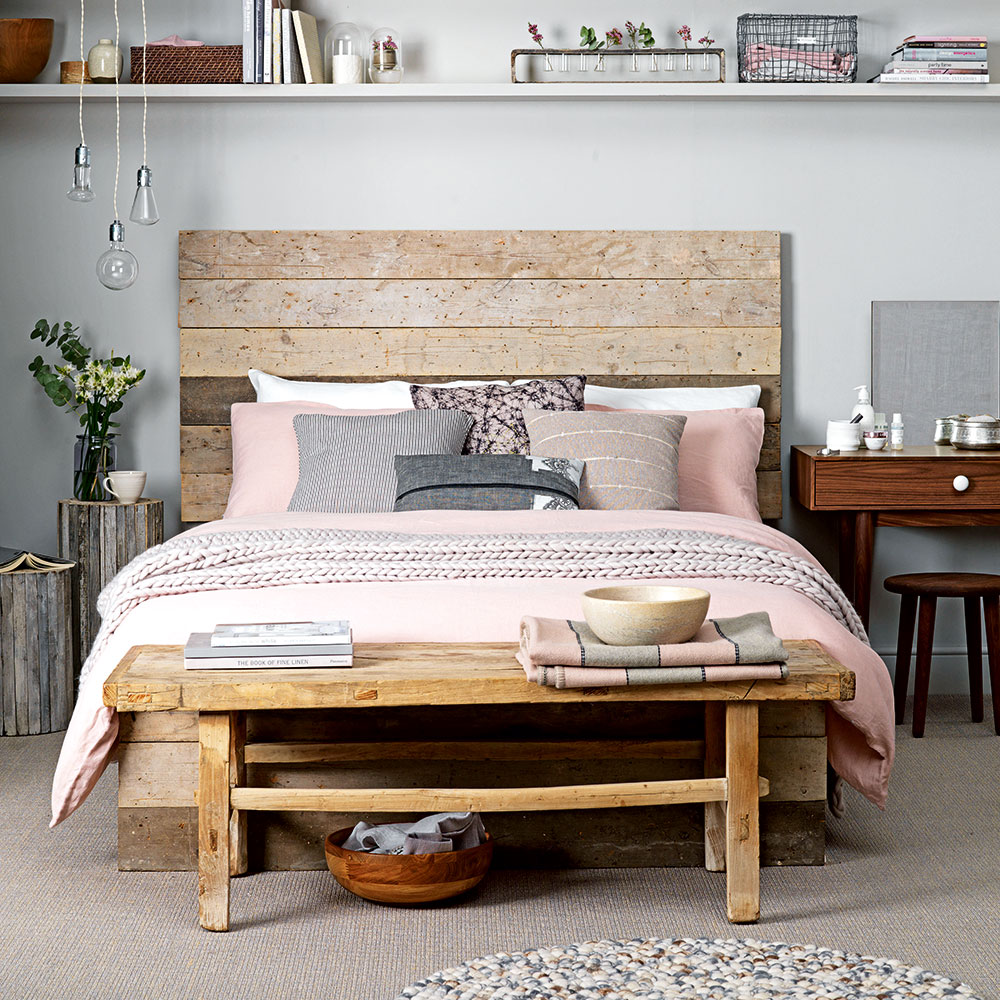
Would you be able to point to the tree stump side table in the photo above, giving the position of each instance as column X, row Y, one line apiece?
column 36, row 651
column 102, row 538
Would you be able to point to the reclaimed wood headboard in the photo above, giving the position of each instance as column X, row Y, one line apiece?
column 630, row 308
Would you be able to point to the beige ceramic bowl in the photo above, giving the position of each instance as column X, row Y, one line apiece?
column 645, row 616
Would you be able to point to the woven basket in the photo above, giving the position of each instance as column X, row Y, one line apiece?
column 188, row 64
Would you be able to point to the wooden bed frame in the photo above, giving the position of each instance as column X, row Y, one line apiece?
column 625, row 308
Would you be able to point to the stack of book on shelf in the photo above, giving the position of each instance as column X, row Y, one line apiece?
column 271, row 646
column 938, row 59
column 280, row 45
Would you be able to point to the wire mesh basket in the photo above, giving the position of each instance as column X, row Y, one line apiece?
column 797, row 48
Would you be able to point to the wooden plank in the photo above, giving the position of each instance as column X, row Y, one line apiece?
column 796, row 768
column 467, row 253
column 742, row 813
column 488, row 750
column 48, row 657
column 779, row 718
column 19, row 621
column 237, row 777
column 389, row 674
column 207, row 400
column 214, row 735
column 475, row 302
column 528, row 799
column 715, row 766
column 747, row 351
column 163, row 727
column 792, row 833
column 157, row 775
column 7, row 653
column 36, row 667
column 204, row 495
column 65, row 635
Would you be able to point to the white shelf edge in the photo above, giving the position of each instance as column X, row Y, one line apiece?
column 56, row 92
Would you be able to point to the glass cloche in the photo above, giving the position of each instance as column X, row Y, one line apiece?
column 345, row 54
column 385, row 54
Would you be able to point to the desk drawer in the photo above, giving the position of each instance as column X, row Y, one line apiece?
column 900, row 483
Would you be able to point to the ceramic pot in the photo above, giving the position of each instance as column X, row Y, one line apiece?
column 105, row 61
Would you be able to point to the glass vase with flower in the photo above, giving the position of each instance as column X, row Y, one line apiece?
column 94, row 388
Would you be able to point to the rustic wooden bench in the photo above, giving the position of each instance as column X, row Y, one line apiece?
column 153, row 679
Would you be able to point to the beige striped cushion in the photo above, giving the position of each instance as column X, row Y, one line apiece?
column 631, row 458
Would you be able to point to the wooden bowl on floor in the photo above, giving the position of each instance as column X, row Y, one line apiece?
column 25, row 44
column 407, row 878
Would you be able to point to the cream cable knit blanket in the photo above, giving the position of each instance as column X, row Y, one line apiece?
column 287, row 556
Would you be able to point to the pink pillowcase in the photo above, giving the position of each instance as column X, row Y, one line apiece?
column 266, row 454
column 719, row 452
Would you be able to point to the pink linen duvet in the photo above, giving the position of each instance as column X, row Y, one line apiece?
column 197, row 585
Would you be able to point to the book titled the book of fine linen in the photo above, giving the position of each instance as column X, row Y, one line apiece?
column 268, row 662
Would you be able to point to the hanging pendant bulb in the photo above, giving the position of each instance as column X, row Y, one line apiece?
column 144, row 205
column 116, row 267
column 81, row 189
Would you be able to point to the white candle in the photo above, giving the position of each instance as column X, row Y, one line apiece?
column 348, row 69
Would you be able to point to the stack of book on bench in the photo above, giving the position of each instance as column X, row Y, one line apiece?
column 271, row 646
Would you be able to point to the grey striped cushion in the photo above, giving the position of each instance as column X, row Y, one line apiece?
column 346, row 462
column 486, row 482
column 631, row 458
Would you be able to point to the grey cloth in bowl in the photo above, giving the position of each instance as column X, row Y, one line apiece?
column 346, row 462
column 430, row 835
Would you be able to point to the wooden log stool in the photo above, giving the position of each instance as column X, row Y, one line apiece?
column 928, row 587
column 36, row 651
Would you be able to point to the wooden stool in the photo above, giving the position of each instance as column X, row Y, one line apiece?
column 929, row 587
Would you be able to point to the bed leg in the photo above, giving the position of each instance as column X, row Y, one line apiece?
column 715, row 767
column 742, row 813
column 215, row 741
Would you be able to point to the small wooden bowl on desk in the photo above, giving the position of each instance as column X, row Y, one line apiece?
column 406, row 879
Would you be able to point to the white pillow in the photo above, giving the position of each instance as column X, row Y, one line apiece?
column 694, row 398
column 348, row 395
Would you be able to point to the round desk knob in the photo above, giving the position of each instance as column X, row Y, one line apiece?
column 961, row 483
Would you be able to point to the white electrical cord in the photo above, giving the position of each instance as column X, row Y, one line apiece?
column 144, row 161
column 83, row 71
column 118, row 114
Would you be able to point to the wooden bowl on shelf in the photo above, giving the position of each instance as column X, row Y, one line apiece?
column 25, row 44
column 406, row 879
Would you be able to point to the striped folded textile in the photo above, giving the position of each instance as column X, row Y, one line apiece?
column 561, row 653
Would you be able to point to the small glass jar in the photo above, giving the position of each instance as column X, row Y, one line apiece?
column 345, row 54
column 93, row 459
column 385, row 55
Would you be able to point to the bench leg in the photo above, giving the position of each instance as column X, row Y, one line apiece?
column 742, row 813
column 715, row 767
column 974, row 647
column 237, row 778
column 925, row 650
column 215, row 745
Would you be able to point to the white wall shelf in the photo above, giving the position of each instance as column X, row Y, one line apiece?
column 13, row 92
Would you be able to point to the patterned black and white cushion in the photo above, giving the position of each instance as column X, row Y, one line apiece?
column 487, row 482
column 346, row 462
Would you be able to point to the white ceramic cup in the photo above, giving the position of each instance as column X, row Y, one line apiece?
column 842, row 435
column 125, row 486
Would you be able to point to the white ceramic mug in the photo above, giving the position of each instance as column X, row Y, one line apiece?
column 125, row 486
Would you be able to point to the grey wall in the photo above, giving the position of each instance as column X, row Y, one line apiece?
column 849, row 184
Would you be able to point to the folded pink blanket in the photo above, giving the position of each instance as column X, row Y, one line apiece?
column 563, row 653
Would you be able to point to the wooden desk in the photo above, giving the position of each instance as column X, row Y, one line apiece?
column 916, row 487
column 153, row 679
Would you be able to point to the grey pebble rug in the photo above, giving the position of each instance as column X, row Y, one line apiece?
column 683, row 969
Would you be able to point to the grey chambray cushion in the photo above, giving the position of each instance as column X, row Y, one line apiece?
column 631, row 458
column 346, row 462
column 486, row 482
column 497, row 409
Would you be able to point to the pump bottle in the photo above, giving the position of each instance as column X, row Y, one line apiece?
column 865, row 408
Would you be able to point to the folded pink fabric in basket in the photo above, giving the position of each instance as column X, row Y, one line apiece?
column 563, row 653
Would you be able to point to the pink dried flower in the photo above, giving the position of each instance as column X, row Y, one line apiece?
column 685, row 32
column 631, row 30
column 614, row 37
column 387, row 43
column 706, row 41
column 536, row 35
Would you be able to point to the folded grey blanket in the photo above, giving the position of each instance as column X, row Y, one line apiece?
column 430, row 835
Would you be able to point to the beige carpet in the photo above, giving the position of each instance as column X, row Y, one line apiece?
column 920, row 883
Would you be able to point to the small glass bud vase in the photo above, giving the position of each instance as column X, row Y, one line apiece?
column 345, row 54
column 385, row 53
column 93, row 458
